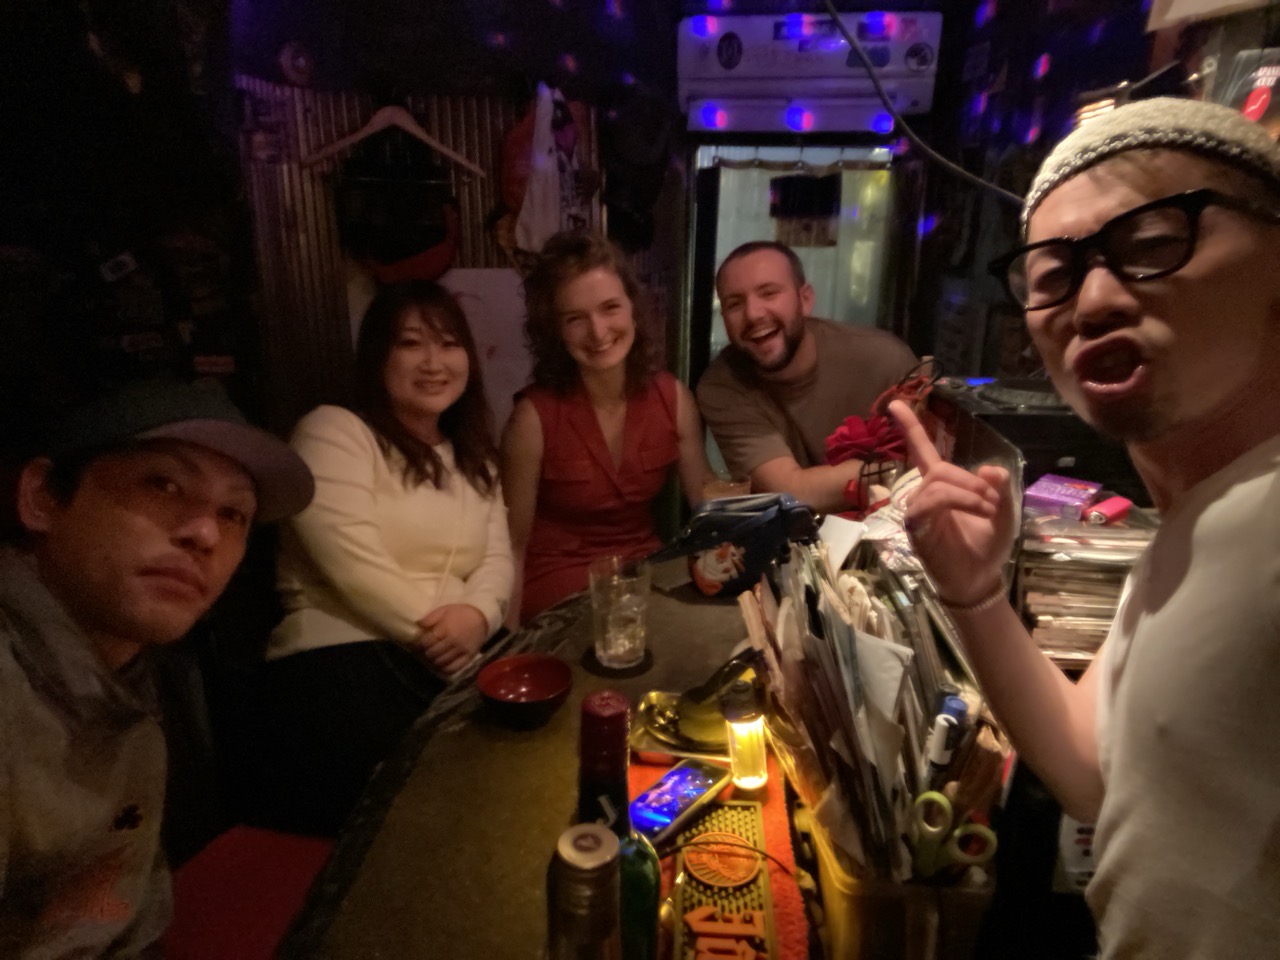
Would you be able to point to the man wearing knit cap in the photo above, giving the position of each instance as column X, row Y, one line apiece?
column 1151, row 284
column 131, row 522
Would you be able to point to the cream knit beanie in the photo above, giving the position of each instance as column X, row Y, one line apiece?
column 1209, row 129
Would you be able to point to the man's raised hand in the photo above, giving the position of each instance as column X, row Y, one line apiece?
column 961, row 524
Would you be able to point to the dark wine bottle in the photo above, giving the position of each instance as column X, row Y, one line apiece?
column 603, row 757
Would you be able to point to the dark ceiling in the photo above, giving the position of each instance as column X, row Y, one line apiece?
column 585, row 47
column 421, row 46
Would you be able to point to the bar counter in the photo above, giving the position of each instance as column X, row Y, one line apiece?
column 446, row 854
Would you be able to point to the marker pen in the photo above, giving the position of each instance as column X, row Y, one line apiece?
column 941, row 747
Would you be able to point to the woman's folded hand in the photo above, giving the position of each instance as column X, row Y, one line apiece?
column 451, row 636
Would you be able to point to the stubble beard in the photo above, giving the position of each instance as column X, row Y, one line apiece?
column 792, row 337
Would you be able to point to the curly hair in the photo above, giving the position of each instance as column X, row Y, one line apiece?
column 467, row 424
column 565, row 257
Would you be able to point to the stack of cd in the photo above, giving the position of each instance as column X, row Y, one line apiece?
column 1070, row 576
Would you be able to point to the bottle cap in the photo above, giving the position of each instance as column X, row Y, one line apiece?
column 606, row 723
column 954, row 706
column 740, row 702
column 940, row 696
column 587, row 846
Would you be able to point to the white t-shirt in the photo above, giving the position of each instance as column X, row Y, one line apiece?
column 1188, row 838
column 371, row 555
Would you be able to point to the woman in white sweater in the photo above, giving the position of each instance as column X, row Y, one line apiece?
column 399, row 570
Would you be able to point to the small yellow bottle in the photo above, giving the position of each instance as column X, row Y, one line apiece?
column 741, row 707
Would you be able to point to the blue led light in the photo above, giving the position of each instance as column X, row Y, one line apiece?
column 713, row 117
column 875, row 22
column 704, row 27
column 799, row 119
column 882, row 122
column 927, row 224
column 979, row 381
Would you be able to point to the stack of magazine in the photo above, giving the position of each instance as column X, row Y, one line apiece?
column 1070, row 576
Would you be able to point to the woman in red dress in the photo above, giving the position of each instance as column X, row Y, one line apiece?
column 592, row 441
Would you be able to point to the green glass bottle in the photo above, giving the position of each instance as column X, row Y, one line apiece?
column 603, row 758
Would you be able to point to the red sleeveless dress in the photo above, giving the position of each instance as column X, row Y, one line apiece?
column 587, row 507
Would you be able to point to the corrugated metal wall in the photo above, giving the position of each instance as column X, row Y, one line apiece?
column 306, row 331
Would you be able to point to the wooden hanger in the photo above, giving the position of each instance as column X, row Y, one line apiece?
column 392, row 116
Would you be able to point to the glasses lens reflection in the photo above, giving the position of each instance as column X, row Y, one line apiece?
column 1141, row 246
column 1152, row 242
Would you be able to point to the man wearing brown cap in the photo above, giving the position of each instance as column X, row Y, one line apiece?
column 131, row 523
column 1151, row 283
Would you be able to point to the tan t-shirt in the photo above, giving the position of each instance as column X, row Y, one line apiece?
column 754, row 421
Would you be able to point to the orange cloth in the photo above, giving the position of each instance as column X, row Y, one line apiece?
column 789, row 921
column 587, row 506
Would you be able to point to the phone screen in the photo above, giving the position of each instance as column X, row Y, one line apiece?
column 662, row 805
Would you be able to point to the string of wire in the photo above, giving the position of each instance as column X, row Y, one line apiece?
column 953, row 168
column 699, row 842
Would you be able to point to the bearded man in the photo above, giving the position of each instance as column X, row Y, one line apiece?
column 787, row 380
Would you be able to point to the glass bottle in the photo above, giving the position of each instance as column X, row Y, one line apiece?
column 745, row 722
column 582, row 896
column 604, row 754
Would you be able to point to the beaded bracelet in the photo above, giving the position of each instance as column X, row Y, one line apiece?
column 1001, row 592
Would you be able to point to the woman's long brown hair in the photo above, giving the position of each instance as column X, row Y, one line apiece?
column 467, row 424
column 564, row 257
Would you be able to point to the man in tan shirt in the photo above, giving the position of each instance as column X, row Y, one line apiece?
column 787, row 379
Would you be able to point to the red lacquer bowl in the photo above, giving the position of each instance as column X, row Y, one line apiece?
column 525, row 689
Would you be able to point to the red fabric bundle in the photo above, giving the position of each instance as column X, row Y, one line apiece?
column 869, row 440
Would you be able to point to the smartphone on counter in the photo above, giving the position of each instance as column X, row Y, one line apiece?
column 684, row 789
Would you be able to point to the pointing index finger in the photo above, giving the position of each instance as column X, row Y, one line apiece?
column 920, row 448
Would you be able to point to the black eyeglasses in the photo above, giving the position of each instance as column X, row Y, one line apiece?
column 1145, row 243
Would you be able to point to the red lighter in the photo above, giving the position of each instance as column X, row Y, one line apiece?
column 1111, row 510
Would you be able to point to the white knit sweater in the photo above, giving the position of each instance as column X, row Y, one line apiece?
column 371, row 556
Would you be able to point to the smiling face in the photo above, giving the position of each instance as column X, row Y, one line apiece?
column 425, row 374
column 144, row 545
column 764, row 308
column 596, row 320
column 1148, row 361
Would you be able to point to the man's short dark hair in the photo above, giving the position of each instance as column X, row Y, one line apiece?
column 753, row 246
column 62, row 481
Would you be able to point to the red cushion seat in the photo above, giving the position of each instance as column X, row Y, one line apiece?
column 235, row 899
